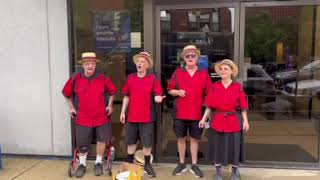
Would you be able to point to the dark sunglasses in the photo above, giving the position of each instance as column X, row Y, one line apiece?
column 190, row 56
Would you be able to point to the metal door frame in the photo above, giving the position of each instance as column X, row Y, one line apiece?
column 158, row 8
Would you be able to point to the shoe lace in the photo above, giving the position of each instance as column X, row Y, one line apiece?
column 179, row 167
column 148, row 166
column 149, row 169
column 196, row 169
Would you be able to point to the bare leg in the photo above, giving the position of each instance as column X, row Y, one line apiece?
column 101, row 146
column 131, row 149
column 147, row 151
column 194, row 146
column 182, row 145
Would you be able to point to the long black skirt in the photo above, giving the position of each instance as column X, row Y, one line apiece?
column 225, row 148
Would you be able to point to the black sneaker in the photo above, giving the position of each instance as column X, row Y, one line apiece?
column 98, row 171
column 196, row 171
column 235, row 175
column 148, row 169
column 217, row 177
column 81, row 171
column 179, row 169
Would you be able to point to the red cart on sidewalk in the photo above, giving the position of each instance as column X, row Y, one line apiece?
column 108, row 158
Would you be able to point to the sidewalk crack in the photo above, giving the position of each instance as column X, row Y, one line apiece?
column 15, row 177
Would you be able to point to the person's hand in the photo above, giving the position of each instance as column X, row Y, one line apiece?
column 201, row 123
column 158, row 99
column 181, row 93
column 122, row 118
column 72, row 112
column 246, row 126
column 109, row 110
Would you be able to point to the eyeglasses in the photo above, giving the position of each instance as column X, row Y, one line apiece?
column 190, row 56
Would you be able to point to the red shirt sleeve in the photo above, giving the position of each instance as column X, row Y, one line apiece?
column 111, row 88
column 243, row 103
column 157, row 88
column 208, row 102
column 67, row 89
column 208, row 84
column 172, row 82
column 125, row 88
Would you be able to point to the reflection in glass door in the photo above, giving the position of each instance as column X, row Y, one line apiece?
column 214, row 32
column 280, row 71
column 105, row 26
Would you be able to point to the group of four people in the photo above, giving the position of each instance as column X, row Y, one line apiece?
column 192, row 88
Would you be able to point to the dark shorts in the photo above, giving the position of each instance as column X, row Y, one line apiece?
column 184, row 127
column 84, row 135
column 144, row 131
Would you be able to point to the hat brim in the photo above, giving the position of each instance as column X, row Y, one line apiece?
column 189, row 50
column 137, row 162
column 232, row 65
column 85, row 60
column 139, row 157
column 150, row 61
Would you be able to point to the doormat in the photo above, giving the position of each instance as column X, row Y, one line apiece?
column 254, row 152
column 277, row 152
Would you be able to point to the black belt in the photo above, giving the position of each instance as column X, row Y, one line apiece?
column 225, row 113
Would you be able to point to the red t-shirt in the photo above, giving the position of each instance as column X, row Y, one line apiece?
column 140, row 92
column 90, row 96
column 196, row 87
column 225, row 101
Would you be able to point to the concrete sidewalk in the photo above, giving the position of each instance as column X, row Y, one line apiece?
column 22, row 168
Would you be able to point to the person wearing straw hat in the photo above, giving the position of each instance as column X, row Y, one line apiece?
column 189, row 85
column 85, row 93
column 139, row 90
column 227, row 125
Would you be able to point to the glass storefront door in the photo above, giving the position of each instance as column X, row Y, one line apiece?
column 114, row 30
column 214, row 30
column 280, row 62
column 276, row 45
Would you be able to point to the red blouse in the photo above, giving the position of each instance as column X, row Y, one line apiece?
column 225, row 101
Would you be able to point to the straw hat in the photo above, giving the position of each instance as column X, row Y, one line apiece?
column 233, row 66
column 88, row 56
column 190, row 48
column 144, row 55
column 139, row 157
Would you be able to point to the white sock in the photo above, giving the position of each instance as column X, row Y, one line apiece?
column 98, row 159
column 82, row 159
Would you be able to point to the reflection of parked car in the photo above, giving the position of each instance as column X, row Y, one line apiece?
column 259, row 81
column 304, row 88
column 306, row 72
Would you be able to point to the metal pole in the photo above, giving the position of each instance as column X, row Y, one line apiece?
column 314, row 26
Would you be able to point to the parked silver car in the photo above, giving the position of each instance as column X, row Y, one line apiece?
column 302, row 88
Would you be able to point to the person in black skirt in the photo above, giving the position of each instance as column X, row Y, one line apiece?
column 225, row 134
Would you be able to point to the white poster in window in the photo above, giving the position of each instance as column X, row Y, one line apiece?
column 135, row 39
